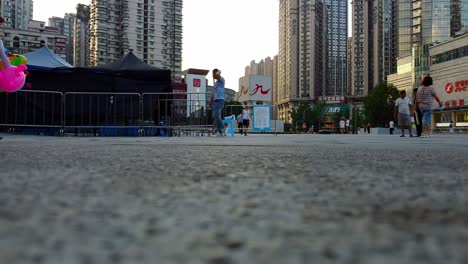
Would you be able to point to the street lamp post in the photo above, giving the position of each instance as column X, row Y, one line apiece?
column 303, row 113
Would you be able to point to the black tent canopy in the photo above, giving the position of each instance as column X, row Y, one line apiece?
column 129, row 62
column 128, row 74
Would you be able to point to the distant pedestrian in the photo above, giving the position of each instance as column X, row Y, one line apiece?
column 417, row 114
column 392, row 126
column 403, row 113
column 342, row 126
column 240, row 123
column 304, row 126
column 368, row 127
column 451, row 127
column 218, row 102
column 424, row 99
column 246, row 119
column 347, row 126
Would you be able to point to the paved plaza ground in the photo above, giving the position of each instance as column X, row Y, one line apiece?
column 256, row 199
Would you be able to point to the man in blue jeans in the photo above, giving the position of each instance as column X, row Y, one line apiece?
column 218, row 102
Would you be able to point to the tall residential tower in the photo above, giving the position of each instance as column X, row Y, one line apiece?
column 151, row 29
column 307, row 64
column 16, row 13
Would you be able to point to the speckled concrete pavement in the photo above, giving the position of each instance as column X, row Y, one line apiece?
column 256, row 199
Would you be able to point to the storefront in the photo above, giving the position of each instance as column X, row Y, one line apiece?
column 449, row 71
column 333, row 114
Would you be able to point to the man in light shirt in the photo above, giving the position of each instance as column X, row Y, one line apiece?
column 403, row 113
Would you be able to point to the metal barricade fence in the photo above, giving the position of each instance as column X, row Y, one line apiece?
column 101, row 113
column 176, row 113
column 32, row 110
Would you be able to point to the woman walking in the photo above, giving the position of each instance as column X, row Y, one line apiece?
column 424, row 100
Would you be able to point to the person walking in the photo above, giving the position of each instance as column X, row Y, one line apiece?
column 403, row 113
column 392, row 126
column 245, row 119
column 417, row 114
column 347, row 126
column 424, row 100
column 451, row 127
column 240, row 123
column 218, row 102
column 368, row 127
column 342, row 125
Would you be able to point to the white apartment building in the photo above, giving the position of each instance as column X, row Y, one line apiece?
column 16, row 13
column 23, row 41
column 151, row 29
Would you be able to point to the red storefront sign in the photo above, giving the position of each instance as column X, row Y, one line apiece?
column 460, row 86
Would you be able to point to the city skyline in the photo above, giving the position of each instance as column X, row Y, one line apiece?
column 197, row 26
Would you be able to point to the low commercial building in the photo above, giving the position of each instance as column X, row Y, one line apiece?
column 449, row 70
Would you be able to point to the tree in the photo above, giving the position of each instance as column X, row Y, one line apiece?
column 83, row 12
column 379, row 104
column 314, row 115
column 296, row 115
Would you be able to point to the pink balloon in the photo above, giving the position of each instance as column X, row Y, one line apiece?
column 13, row 78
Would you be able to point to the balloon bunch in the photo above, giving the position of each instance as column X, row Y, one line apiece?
column 14, row 59
column 12, row 78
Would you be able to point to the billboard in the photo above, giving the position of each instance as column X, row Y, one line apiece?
column 196, row 93
column 453, row 92
column 261, row 118
column 255, row 88
column 244, row 89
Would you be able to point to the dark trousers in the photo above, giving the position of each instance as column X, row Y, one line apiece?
column 246, row 124
column 418, row 119
column 240, row 125
column 391, row 131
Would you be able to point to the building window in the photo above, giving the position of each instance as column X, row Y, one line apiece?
column 16, row 42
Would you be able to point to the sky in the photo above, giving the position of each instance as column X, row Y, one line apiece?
column 223, row 34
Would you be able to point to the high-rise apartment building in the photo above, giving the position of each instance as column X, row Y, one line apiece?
column 66, row 28
column 336, row 55
column 81, row 36
column 69, row 32
column 302, row 58
column 350, row 59
column 375, row 43
column 288, row 59
column 16, row 13
column 56, row 22
column 151, row 29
